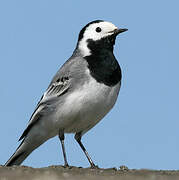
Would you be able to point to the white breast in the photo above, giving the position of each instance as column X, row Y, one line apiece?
column 86, row 106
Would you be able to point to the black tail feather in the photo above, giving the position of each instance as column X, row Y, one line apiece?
column 14, row 158
column 12, row 161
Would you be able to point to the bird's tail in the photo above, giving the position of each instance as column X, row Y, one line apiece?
column 19, row 156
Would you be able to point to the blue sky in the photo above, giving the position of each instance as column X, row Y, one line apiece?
column 141, row 131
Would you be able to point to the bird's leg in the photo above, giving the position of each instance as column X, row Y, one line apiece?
column 62, row 137
column 78, row 139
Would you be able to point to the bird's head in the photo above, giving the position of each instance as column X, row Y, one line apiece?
column 97, row 35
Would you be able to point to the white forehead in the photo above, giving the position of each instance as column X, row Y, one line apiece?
column 106, row 27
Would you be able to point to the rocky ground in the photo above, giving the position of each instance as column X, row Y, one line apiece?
column 75, row 173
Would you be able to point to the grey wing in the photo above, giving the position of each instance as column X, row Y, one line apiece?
column 58, row 87
column 61, row 83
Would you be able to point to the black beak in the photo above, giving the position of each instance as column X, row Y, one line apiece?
column 118, row 31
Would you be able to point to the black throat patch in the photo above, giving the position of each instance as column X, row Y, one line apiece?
column 102, row 64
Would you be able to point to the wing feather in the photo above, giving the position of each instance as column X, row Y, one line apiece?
column 56, row 89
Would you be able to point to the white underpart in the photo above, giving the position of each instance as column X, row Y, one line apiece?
column 90, row 33
column 86, row 106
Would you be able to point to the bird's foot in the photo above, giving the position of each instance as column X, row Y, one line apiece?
column 93, row 166
column 66, row 165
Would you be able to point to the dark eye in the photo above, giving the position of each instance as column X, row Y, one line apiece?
column 98, row 29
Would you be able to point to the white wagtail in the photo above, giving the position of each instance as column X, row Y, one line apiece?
column 81, row 93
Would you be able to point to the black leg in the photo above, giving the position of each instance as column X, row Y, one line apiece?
column 62, row 137
column 78, row 139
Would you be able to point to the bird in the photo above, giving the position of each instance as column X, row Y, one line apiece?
column 80, row 94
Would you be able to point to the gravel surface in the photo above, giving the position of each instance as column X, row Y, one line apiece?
column 76, row 173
